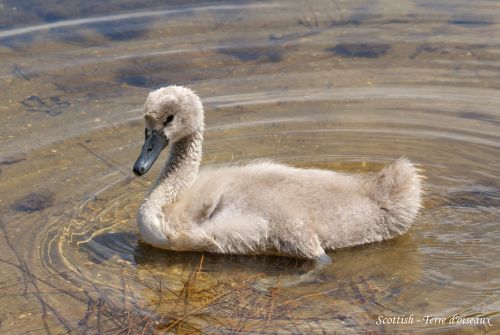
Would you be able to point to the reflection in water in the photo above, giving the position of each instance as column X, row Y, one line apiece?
column 348, row 86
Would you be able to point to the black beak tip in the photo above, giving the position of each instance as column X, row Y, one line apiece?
column 139, row 170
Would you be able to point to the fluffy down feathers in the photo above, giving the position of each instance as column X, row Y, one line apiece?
column 263, row 207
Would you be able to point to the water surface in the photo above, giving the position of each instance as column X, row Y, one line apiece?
column 344, row 85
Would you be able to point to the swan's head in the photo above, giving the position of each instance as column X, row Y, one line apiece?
column 171, row 113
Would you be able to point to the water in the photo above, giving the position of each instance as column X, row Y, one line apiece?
column 345, row 85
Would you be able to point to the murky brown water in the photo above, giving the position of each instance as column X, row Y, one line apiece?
column 346, row 85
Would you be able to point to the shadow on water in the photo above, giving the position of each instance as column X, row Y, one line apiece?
column 246, row 54
column 477, row 196
column 145, row 255
column 129, row 247
column 360, row 50
column 35, row 201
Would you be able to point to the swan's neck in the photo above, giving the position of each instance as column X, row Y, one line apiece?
column 179, row 172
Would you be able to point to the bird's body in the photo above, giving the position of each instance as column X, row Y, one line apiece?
column 269, row 208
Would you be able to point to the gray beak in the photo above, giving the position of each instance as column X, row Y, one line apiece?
column 154, row 143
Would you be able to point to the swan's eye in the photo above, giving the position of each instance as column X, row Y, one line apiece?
column 169, row 119
column 146, row 132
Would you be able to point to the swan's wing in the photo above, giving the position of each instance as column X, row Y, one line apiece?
column 209, row 209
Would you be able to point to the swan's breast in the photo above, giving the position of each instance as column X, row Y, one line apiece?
column 150, row 221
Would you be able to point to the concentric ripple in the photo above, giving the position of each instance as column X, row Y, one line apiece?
column 344, row 86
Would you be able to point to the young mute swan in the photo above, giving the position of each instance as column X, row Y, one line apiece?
column 262, row 207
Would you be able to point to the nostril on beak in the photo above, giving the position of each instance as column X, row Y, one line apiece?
column 150, row 149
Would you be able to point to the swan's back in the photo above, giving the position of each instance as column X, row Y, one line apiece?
column 270, row 188
column 341, row 209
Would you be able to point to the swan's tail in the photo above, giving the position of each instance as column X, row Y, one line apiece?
column 397, row 189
